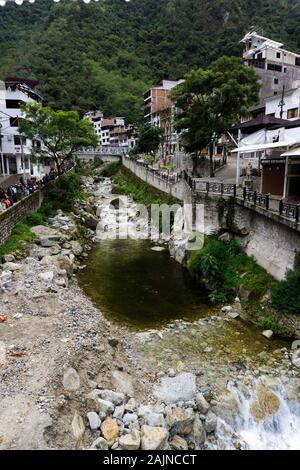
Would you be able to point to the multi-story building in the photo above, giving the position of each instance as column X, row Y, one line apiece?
column 15, row 149
column 277, row 67
column 159, row 111
column 113, row 132
column 286, row 106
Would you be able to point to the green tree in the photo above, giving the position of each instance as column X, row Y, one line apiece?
column 212, row 99
column 61, row 133
column 149, row 139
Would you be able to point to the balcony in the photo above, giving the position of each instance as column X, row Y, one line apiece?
column 257, row 63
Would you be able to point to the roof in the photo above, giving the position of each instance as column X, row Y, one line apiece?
column 108, row 123
column 254, row 33
column 27, row 81
column 292, row 153
column 293, row 124
column 258, row 147
column 261, row 122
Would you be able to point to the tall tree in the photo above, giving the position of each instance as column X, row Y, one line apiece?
column 149, row 139
column 61, row 133
column 212, row 99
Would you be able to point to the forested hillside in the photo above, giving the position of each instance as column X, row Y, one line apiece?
column 105, row 54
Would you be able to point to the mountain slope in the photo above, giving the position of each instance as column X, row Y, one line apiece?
column 104, row 55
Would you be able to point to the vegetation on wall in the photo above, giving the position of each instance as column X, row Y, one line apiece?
column 106, row 54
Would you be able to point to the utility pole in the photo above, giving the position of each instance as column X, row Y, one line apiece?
column 282, row 102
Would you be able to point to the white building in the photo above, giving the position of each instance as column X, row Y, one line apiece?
column 276, row 66
column 15, row 149
column 286, row 108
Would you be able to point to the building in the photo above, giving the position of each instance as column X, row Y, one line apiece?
column 16, row 149
column 159, row 111
column 114, row 131
column 275, row 144
column 286, row 106
column 277, row 67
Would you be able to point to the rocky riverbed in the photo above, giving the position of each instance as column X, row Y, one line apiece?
column 72, row 379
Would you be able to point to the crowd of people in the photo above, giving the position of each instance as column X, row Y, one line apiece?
column 16, row 192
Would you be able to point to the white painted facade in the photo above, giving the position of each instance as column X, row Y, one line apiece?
column 291, row 108
column 15, row 150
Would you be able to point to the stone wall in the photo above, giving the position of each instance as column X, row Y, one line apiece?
column 272, row 241
column 180, row 190
column 273, row 244
column 17, row 213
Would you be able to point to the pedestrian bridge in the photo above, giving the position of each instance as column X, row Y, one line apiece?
column 107, row 153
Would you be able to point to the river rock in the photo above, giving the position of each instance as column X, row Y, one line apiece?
column 180, row 421
column 129, row 418
column 76, row 248
column 94, row 420
column 131, row 405
column 180, row 388
column 131, row 441
column 119, row 412
column 47, row 276
column 233, row 315
column 266, row 404
column 91, row 221
column 12, row 267
column 123, row 382
column 199, row 432
column 154, row 438
column 94, row 402
column 78, row 426
column 178, row 443
column 114, row 397
column 155, row 419
column 110, row 431
column 202, row 405
column 71, row 380
column 99, row 444
column 268, row 334
column 227, row 309
column 9, row 258
column 295, row 358
column 211, row 422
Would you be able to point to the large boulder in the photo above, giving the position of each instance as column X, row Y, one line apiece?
column 90, row 221
column 114, row 397
column 110, row 431
column 175, row 389
column 180, row 421
column 131, row 441
column 296, row 358
column 71, row 380
column 76, row 248
column 154, row 438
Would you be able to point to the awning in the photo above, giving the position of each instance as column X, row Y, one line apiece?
column 292, row 153
column 259, row 147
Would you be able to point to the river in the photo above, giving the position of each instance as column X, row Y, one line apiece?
column 175, row 326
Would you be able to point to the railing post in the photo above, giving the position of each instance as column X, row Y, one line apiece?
column 234, row 190
column 244, row 193
column 267, row 201
column 297, row 213
column 255, row 197
column 280, row 207
column 222, row 188
column 207, row 187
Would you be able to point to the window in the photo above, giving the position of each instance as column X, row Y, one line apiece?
column 14, row 122
column 275, row 93
column 297, row 61
column 278, row 55
column 13, row 104
column 285, row 70
column 293, row 113
column 275, row 67
column 276, row 81
column 18, row 139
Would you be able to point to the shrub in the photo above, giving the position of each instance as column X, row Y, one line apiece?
column 111, row 170
column 286, row 294
column 35, row 218
column 266, row 321
column 220, row 265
